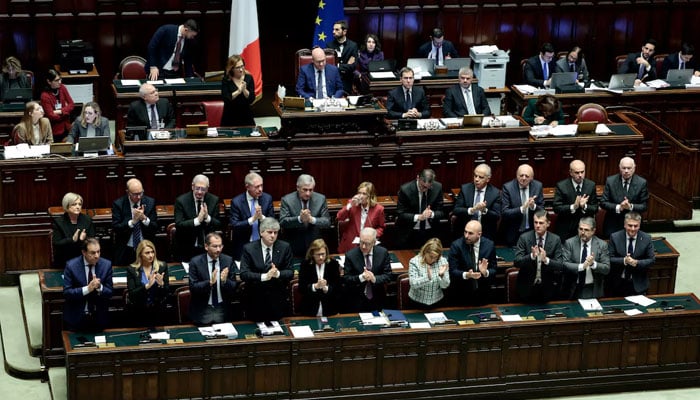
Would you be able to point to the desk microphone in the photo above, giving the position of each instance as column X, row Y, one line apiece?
column 140, row 333
column 485, row 317
column 554, row 312
column 616, row 308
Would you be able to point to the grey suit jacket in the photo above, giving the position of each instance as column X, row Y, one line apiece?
column 614, row 194
column 298, row 234
column 510, row 212
column 562, row 65
column 572, row 259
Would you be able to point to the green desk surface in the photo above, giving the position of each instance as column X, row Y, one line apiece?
column 622, row 130
column 11, row 107
column 55, row 278
column 190, row 84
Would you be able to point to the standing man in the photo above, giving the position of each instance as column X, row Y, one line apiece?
column 319, row 80
column 465, row 98
column 266, row 269
column 684, row 59
column 472, row 267
column 419, row 209
column 538, row 255
column 87, row 287
column 407, row 101
column 586, row 263
column 521, row 198
column 538, row 69
column 170, row 49
column 574, row 198
column 480, row 201
column 212, row 283
column 346, row 53
column 247, row 210
column 150, row 110
column 196, row 215
column 642, row 64
column 437, row 48
column 367, row 268
column 303, row 214
column 624, row 192
column 134, row 218
column 631, row 255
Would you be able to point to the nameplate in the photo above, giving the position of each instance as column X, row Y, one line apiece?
column 528, row 318
column 595, row 314
column 174, row 341
column 105, row 345
column 465, row 322
column 654, row 310
column 348, row 330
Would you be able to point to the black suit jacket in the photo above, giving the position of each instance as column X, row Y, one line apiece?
column 121, row 215
column 240, row 212
column 266, row 301
column 355, row 299
column 630, row 66
column 455, row 106
column 672, row 61
column 448, row 48
column 564, row 197
column 138, row 114
column 489, row 220
column 550, row 274
column 408, row 205
column 74, row 279
column 511, row 216
column 346, row 69
column 396, row 102
column 200, row 288
column 64, row 248
column 186, row 233
column 470, row 291
column 311, row 299
column 614, row 194
column 533, row 71
column 138, row 294
column 643, row 253
column 162, row 45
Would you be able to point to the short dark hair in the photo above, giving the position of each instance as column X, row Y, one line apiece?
column 87, row 242
column 687, row 49
column 651, row 41
column 343, row 24
column 438, row 33
column 547, row 48
column 191, row 25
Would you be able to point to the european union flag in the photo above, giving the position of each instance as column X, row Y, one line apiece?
column 329, row 11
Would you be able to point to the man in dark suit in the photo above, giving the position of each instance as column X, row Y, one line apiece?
column 574, row 62
column 574, row 199
column 479, row 201
column 642, row 64
column 318, row 71
column 419, row 209
column 212, row 283
column 465, row 98
column 247, row 210
column 134, row 218
column 367, row 268
column 538, row 69
column 437, row 48
column 196, row 215
column 150, row 111
column 472, row 267
column 538, row 256
column 624, row 192
column 346, row 53
column 684, row 59
column 170, row 48
column 521, row 198
column 586, row 263
column 87, row 287
column 266, row 269
column 407, row 101
column 303, row 214
column 631, row 256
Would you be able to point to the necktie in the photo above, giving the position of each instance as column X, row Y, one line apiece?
column 255, row 234
column 470, row 101
column 200, row 236
column 369, row 291
column 215, row 290
column 437, row 56
column 681, row 65
column 630, row 251
column 475, row 267
column 525, row 223
column 268, row 258
column 319, row 85
column 199, row 206
column 578, row 189
column 176, row 56
column 408, row 100
column 538, row 273
column 641, row 72
column 584, row 253
column 626, row 185
column 423, row 206
column 630, row 246
column 572, row 66
column 138, row 237
column 91, row 273
column 477, row 215
column 540, row 241
column 545, row 71
column 154, row 119
column 582, row 274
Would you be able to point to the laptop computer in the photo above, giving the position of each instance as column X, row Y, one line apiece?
column 422, row 66
column 560, row 79
column 679, row 77
column 93, row 144
column 364, row 100
column 454, row 64
column 17, row 95
column 472, row 120
column 196, row 130
column 136, row 133
column 622, row 81
column 61, row 148
column 407, row 125
column 382, row 66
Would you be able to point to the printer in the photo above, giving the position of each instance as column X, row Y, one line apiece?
column 75, row 56
column 489, row 65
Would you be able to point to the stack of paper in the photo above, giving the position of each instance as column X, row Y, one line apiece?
column 373, row 319
column 273, row 328
column 436, row 318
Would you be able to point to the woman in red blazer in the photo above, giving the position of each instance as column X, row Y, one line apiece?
column 362, row 211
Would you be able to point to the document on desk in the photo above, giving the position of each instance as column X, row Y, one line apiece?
column 632, row 312
column 602, row 129
column 158, row 82
column 642, row 300
column 396, row 265
column 382, row 75
column 175, row 81
column 420, row 325
column 186, row 266
column 436, row 317
column 301, row 331
column 525, row 89
column 511, row 317
column 118, row 279
column 130, row 82
column 160, row 335
column 369, row 318
column 271, row 329
column 590, row 305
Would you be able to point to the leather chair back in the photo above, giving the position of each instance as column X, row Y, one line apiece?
column 132, row 67
column 403, row 287
column 182, row 295
column 303, row 57
column 213, row 110
column 511, row 285
column 592, row 112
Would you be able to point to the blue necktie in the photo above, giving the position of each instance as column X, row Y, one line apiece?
column 319, row 86
column 138, row 237
column 545, row 71
column 256, row 232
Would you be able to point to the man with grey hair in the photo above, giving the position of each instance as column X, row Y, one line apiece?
column 150, row 110
column 367, row 268
column 586, row 263
column 303, row 214
column 419, row 209
column 631, row 255
column 464, row 98
column 480, row 201
column 624, row 192
column 196, row 215
column 247, row 210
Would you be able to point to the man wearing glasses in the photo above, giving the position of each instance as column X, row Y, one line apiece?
column 150, row 110
column 196, row 215
column 133, row 219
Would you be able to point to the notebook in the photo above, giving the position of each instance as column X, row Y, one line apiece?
column 472, row 119
column 17, row 95
column 622, row 81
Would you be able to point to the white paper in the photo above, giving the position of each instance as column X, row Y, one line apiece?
column 226, row 328
column 451, row 121
column 658, row 83
column 420, row 325
column 527, row 89
column 632, row 311
column 511, row 318
column 186, row 266
column 160, row 335
column 301, row 331
column 602, row 129
column 119, row 279
column 484, row 49
column 100, row 339
column 590, row 305
column 436, row 318
column 641, row 300
column 695, row 80
column 158, row 82
column 175, row 81
column 382, row 75
column 370, row 319
column 130, row 82
column 396, row 265
column 269, row 330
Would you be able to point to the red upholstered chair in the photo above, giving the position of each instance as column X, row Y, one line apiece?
column 659, row 59
column 303, row 57
column 619, row 60
column 213, row 110
column 511, row 285
column 403, row 287
column 295, row 296
column 132, row 67
column 182, row 294
column 592, row 112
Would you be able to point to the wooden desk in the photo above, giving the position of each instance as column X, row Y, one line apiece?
column 561, row 350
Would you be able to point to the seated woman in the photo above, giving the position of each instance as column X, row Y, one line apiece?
column 545, row 110
column 34, row 127
column 90, row 123
column 147, row 284
column 238, row 91
column 58, row 105
column 319, row 281
column 362, row 211
column 13, row 76
column 70, row 230
column 428, row 276
column 371, row 50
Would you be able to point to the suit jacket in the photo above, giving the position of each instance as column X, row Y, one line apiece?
column 78, row 131
column 489, row 220
column 531, row 110
column 470, row 291
column 643, row 253
column 138, row 114
column 562, row 65
column 534, row 75
column 311, row 299
column 121, row 215
column 64, row 248
column 346, row 69
column 201, row 289
column 352, row 218
column 614, row 194
column 408, row 205
column 448, row 48
column 298, row 234
column 161, row 48
column 672, row 61
column 455, row 106
column 74, row 279
column 564, row 197
column 396, row 102
column 511, row 216
column 138, row 294
column 355, row 299
column 187, row 233
column 550, row 274
column 266, row 301
column 240, row 212
column 306, row 82
column 571, row 253
column 630, row 66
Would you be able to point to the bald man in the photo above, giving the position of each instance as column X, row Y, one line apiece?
column 521, row 197
column 624, row 192
column 574, row 198
column 472, row 261
column 133, row 219
column 318, row 71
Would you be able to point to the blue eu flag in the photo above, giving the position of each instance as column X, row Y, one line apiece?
column 329, row 11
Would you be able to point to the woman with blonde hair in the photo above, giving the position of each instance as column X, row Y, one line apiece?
column 428, row 274
column 147, row 286
column 238, row 91
column 34, row 128
column 90, row 123
column 319, row 281
column 70, row 230
column 362, row 211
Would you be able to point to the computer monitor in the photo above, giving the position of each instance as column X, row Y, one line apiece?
column 136, row 133
column 382, row 66
column 93, row 144
column 421, row 65
column 17, row 95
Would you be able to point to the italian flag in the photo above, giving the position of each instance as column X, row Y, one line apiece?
column 244, row 39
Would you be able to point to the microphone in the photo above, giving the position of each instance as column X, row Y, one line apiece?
column 554, row 312
column 616, row 308
column 484, row 317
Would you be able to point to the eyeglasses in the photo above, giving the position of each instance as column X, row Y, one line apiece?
column 239, row 67
column 139, row 194
column 200, row 189
column 57, row 79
